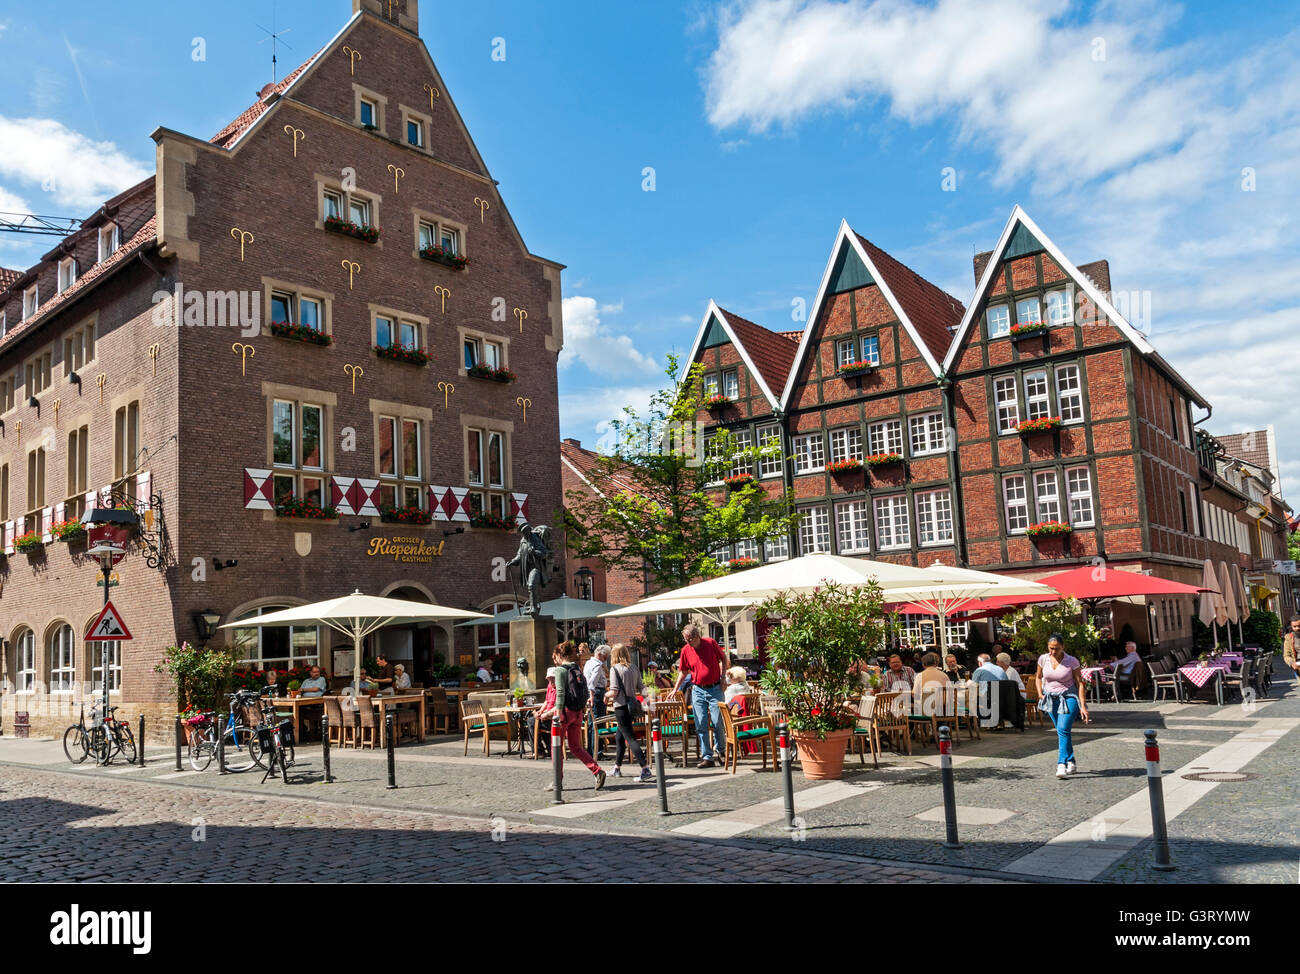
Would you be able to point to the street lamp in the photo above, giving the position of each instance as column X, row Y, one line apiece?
column 205, row 623
column 108, row 529
column 582, row 579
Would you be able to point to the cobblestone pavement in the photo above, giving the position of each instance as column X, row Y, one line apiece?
column 1011, row 804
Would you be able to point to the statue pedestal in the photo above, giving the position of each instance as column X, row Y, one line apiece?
column 532, row 638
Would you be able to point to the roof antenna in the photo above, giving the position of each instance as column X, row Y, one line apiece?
column 274, row 37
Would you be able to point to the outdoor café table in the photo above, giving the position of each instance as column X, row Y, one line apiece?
column 1199, row 676
column 1094, row 676
column 294, row 705
column 382, row 703
column 518, row 717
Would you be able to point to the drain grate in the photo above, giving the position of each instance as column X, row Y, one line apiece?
column 1224, row 777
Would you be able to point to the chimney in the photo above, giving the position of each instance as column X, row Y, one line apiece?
column 576, row 444
column 403, row 13
column 981, row 262
column 1099, row 273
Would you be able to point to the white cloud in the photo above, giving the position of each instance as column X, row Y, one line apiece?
column 587, row 341
column 587, row 413
column 78, row 172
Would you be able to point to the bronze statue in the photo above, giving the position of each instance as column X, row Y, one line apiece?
column 534, row 561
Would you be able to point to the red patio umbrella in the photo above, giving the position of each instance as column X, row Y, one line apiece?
column 975, row 609
column 1092, row 583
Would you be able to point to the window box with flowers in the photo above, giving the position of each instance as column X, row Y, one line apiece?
column 846, row 466
column 69, row 531
column 300, row 333
column 502, row 375
column 718, row 402
column 405, row 515
column 738, row 480
column 308, row 510
column 447, row 258
column 1049, row 529
column 883, row 459
column 1043, row 425
column 1028, row 329
column 853, row 370
column 29, row 543
column 485, row 519
column 741, row 564
column 400, row 353
column 361, row 231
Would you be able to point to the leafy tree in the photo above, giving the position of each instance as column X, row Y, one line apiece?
column 1066, row 619
column 200, row 677
column 1293, row 546
column 660, row 508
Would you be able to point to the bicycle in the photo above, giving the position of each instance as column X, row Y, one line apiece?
column 239, row 741
column 104, row 739
column 276, row 741
column 120, row 737
column 76, row 739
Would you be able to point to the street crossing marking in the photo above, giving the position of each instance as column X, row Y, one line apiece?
column 733, row 823
column 603, row 802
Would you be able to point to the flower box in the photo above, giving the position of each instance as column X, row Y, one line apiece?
column 1044, row 425
column 1028, row 330
column 69, row 531
column 737, row 481
column 883, row 459
column 347, row 228
column 718, row 402
column 29, row 543
column 300, row 333
column 850, row 465
column 405, row 515
column 480, row 519
column 1048, row 529
column 850, row 370
column 448, row 259
column 400, row 353
column 309, row 510
column 502, row 375
column 741, row 564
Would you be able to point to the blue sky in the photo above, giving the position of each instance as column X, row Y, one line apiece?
column 1128, row 131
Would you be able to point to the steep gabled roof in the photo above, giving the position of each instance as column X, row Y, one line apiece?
column 7, row 276
column 767, row 354
column 592, row 470
column 1256, row 448
column 926, row 312
column 231, row 134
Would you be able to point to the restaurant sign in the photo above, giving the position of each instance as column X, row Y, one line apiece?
column 407, row 550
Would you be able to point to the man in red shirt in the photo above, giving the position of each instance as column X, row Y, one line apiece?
column 702, row 661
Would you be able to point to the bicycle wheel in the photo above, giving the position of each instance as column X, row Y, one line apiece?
column 99, row 746
column 75, row 745
column 126, row 742
column 242, row 749
column 200, row 752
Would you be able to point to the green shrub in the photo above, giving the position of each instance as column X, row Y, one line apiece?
column 1264, row 629
column 1082, row 638
column 200, row 677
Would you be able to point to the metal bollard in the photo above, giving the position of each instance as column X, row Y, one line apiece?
column 659, row 767
column 392, row 760
column 949, row 794
column 787, row 773
column 557, row 761
column 325, row 746
column 140, row 749
column 1156, row 791
column 220, row 729
column 178, row 742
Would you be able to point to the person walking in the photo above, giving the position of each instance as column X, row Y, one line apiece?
column 566, row 701
column 596, row 673
column 624, row 687
column 702, row 660
column 1061, row 684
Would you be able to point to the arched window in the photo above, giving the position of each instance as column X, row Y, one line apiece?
column 275, row 647
column 62, row 659
column 494, row 638
column 25, row 661
column 96, row 654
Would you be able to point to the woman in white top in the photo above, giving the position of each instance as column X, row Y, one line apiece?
column 400, row 679
column 736, row 684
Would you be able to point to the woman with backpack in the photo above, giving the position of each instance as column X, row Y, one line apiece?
column 566, row 702
column 624, row 688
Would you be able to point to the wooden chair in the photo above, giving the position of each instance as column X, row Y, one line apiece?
column 406, row 723
column 926, row 723
column 890, row 718
column 342, row 726
column 1032, row 712
column 1161, row 680
column 673, row 725
column 966, row 709
column 474, row 720
column 368, row 724
column 439, row 712
column 865, row 730
column 738, row 730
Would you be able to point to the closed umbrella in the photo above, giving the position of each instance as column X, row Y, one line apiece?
column 1228, row 602
column 1243, row 603
column 1208, row 612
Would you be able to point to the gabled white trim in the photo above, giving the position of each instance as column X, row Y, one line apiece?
column 846, row 234
column 986, row 279
column 710, row 312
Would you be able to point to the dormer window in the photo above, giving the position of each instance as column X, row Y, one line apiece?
column 31, row 301
column 110, row 239
column 67, row 273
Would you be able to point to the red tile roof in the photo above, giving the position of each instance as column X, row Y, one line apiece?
column 244, row 121
column 934, row 312
column 594, row 468
column 794, row 336
column 771, row 352
column 7, row 276
column 1256, row 453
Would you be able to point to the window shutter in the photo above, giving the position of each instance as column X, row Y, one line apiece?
column 257, row 490
column 369, row 490
column 460, row 503
column 519, row 506
column 9, row 537
column 92, row 498
column 46, row 515
column 59, row 508
column 440, row 503
column 341, row 494
column 143, row 499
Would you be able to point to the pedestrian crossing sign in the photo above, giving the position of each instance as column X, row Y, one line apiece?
column 108, row 625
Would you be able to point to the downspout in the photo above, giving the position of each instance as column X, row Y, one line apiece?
column 959, row 514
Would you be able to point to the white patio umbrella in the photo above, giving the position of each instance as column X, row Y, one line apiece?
column 1229, row 600
column 564, row 610
column 358, row 615
column 954, row 588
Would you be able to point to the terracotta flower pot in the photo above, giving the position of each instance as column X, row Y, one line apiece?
column 822, row 759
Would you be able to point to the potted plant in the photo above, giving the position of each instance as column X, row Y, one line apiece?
column 300, row 333
column 69, row 531
column 1044, row 424
column 739, row 480
column 363, row 231
column 883, row 459
column 405, row 515
column 400, row 353
column 485, row 519
column 519, row 694
column 850, row 370
column 448, row 258
column 717, row 402
column 29, row 543
column 1028, row 329
column 1049, row 529
column 294, row 687
column 300, row 508
column 848, row 465
column 741, row 564
column 812, row 661
column 502, row 374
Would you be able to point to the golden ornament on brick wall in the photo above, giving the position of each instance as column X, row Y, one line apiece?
column 243, row 236
column 154, row 349
column 443, row 293
column 58, row 404
column 483, row 205
column 521, row 314
column 99, row 381
column 18, row 428
column 297, row 134
column 398, row 172
column 353, row 57
column 352, row 267
column 245, row 352
column 446, row 388
column 353, row 371
column 524, row 402
column 433, row 93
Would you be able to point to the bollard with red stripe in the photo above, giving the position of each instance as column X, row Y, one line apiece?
column 657, row 739
column 1155, row 790
column 557, row 761
column 787, row 774
column 949, row 792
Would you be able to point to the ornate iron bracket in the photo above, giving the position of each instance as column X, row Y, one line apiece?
column 153, row 542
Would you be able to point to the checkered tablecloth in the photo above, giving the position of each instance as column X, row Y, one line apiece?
column 1201, row 675
column 1093, row 672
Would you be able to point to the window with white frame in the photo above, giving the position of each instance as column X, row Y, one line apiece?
column 401, row 462
column 346, row 205
column 1047, row 496
column 933, row 517
column 846, row 444
column 742, row 443
column 1007, row 403
column 1078, row 486
column 67, row 273
column 845, row 352
column 747, row 548
column 711, row 385
column 274, row 647
column 293, row 308
column 99, row 654
column 486, row 451
column 37, row 371
column 809, row 453
column 63, row 669
column 480, row 351
column 25, row 662
column 777, row 548
column 714, row 466
column 853, row 527
column 394, row 332
column 78, row 472
column 369, row 113
column 731, row 384
column 415, row 133
column 1028, row 312
column 445, row 238
column 892, row 527
column 1069, row 394
column 926, row 433
column 297, row 451
column 31, row 301
column 1016, row 503
column 771, row 461
column 1038, row 404
column 998, row 317
column 78, row 348
column 885, row 437
column 494, row 638
column 814, row 530
column 110, row 238
column 359, row 210
column 1058, row 308
column 870, row 349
